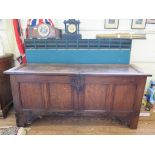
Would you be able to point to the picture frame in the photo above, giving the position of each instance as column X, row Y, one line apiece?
column 111, row 23
column 150, row 21
column 138, row 24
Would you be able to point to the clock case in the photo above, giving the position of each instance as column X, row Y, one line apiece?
column 32, row 32
column 67, row 34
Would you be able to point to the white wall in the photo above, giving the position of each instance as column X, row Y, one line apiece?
column 7, row 37
column 142, row 52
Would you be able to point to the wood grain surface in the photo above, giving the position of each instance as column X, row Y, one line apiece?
column 113, row 91
column 68, row 69
column 6, row 62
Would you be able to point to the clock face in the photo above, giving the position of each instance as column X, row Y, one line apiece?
column 71, row 28
column 43, row 30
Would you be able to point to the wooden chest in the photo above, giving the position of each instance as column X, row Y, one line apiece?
column 77, row 90
column 6, row 62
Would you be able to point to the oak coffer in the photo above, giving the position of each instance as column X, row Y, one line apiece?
column 6, row 62
column 77, row 90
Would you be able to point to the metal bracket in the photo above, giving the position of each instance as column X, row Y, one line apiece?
column 77, row 83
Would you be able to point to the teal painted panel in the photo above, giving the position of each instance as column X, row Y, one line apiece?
column 112, row 56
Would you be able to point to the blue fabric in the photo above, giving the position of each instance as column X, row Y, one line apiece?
column 47, row 22
column 34, row 22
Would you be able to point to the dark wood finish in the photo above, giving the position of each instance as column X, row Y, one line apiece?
column 80, row 90
column 6, row 62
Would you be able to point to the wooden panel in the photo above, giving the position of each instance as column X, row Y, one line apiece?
column 31, row 95
column 76, row 69
column 110, row 79
column 60, row 96
column 43, row 79
column 124, row 98
column 5, row 92
column 5, row 65
column 95, row 97
column 6, row 62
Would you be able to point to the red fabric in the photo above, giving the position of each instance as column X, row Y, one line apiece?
column 51, row 22
column 19, row 37
column 41, row 21
column 28, row 24
column 24, row 59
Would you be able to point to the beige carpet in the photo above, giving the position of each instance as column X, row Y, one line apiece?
column 13, row 130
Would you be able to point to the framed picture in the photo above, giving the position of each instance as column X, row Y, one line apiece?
column 111, row 23
column 150, row 21
column 138, row 24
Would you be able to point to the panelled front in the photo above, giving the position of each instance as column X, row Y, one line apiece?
column 54, row 93
column 115, row 91
column 50, row 93
column 115, row 94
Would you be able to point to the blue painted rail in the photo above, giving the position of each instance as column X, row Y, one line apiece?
column 83, row 51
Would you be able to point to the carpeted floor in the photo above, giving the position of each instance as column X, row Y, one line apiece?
column 13, row 130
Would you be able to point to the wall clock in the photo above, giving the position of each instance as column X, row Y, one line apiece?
column 71, row 29
column 43, row 30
